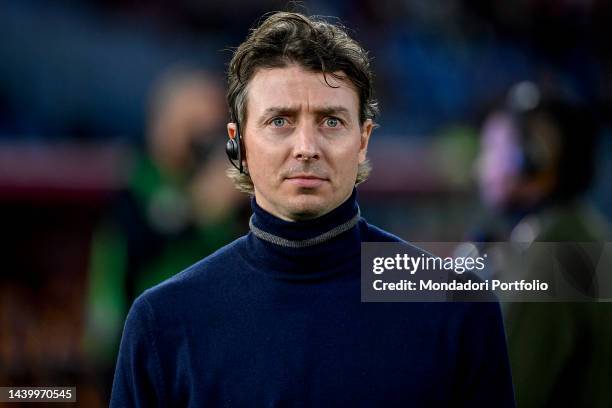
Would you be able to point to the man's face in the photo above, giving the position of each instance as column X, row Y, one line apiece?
column 303, row 141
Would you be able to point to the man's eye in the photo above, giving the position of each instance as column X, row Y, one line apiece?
column 278, row 122
column 332, row 122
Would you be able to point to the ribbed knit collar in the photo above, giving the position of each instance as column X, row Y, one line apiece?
column 314, row 248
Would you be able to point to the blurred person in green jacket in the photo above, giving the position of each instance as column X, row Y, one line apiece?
column 178, row 207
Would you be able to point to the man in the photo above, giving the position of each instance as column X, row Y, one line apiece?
column 275, row 318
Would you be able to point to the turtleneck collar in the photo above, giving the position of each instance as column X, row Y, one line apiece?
column 308, row 249
column 304, row 231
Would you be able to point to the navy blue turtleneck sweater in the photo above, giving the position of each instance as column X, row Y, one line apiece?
column 264, row 325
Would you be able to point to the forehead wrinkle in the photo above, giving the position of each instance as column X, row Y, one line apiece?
column 299, row 97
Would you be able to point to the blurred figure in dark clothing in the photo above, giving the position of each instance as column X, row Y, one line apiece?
column 537, row 159
column 535, row 164
column 178, row 207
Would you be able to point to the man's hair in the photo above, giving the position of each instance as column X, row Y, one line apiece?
column 316, row 45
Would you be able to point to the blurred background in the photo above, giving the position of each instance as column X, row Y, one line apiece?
column 112, row 130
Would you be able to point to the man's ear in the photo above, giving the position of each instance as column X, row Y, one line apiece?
column 366, row 131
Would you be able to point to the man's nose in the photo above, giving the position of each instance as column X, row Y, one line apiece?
column 306, row 143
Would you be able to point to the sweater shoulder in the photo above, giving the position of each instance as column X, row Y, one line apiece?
column 372, row 233
column 196, row 279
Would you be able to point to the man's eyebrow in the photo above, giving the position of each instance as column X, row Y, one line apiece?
column 279, row 110
column 290, row 110
column 332, row 110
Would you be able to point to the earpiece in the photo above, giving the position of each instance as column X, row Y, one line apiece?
column 233, row 149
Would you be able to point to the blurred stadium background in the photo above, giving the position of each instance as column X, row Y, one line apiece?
column 84, row 90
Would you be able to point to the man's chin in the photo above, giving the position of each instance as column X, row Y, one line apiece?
column 306, row 206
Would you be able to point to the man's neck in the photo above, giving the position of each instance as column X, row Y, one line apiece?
column 300, row 216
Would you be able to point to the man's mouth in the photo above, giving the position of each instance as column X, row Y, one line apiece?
column 306, row 180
